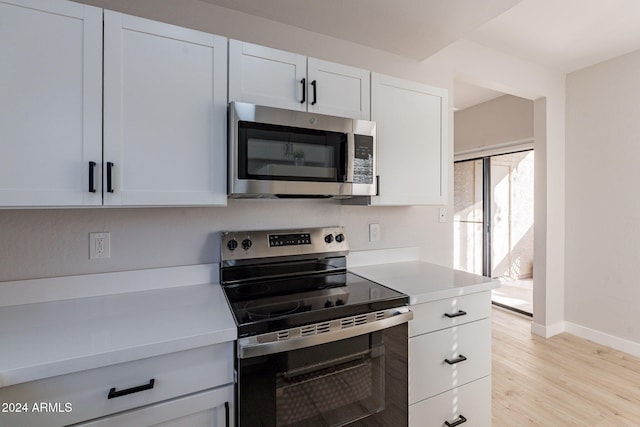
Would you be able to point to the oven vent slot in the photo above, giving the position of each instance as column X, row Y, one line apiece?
column 361, row 319
column 282, row 335
column 347, row 323
column 323, row 327
column 305, row 331
column 380, row 315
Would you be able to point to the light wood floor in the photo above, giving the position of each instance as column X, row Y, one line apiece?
column 560, row 381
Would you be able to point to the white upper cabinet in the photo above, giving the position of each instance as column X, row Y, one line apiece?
column 338, row 90
column 412, row 142
column 50, row 103
column 264, row 76
column 165, row 109
column 276, row 78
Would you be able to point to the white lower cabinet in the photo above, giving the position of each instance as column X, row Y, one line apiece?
column 448, row 358
column 168, row 383
column 450, row 362
column 468, row 405
column 211, row 408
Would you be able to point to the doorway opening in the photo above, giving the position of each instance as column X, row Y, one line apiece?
column 493, row 224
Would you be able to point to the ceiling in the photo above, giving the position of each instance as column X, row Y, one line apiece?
column 565, row 35
column 411, row 28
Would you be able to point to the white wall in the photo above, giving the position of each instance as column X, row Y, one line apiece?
column 603, row 203
column 503, row 120
column 46, row 243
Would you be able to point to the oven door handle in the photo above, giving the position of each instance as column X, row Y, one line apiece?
column 322, row 333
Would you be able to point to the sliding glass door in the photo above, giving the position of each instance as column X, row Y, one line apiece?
column 493, row 224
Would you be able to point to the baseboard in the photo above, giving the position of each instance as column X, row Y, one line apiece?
column 547, row 331
column 602, row 338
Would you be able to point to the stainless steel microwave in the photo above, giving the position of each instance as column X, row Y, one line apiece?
column 283, row 153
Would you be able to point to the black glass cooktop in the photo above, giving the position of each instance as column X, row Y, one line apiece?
column 270, row 305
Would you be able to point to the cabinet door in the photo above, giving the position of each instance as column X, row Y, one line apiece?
column 264, row 76
column 211, row 408
column 412, row 142
column 165, row 111
column 50, row 102
column 338, row 90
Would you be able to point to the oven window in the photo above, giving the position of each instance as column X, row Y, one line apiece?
column 332, row 393
column 356, row 382
column 283, row 153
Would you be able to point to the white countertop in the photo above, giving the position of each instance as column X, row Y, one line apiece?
column 45, row 339
column 425, row 282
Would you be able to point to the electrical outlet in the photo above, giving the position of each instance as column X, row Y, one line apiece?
column 374, row 232
column 99, row 245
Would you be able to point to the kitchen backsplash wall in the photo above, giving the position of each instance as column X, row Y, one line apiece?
column 38, row 243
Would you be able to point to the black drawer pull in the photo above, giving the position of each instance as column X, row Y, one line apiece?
column 458, row 314
column 227, row 414
column 304, row 90
column 113, row 393
column 109, row 177
column 92, row 186
column 457, row 422
column 315, row 92
column 458, row 359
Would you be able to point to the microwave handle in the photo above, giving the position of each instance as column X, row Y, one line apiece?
column 351, row 155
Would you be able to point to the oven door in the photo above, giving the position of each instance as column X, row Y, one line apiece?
column 356, row 381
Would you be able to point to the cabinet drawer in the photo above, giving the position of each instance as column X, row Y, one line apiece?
column 430, row 374
column 431, row 316
column 83, row 395
column 205, row 409
column 471, row 401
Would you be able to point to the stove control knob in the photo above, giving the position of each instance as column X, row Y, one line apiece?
column 328, row 238
column 246, row 244
column 339, row 302
column 328, row 304
column 340, row 238
column 232, row 244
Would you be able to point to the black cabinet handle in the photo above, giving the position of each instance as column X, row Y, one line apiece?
column 113, row 393
column 304, row 90
column 458, row 314
column 458, row 359
column 92, row 185
column 457, row 422
column 227, row 415
column 315, row 92
column 109, row 177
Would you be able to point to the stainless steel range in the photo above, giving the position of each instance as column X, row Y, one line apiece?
column 317, row 345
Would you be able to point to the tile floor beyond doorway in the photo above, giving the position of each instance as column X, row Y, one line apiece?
column 515, row 293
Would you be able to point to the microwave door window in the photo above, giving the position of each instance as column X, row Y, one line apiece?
column 290, row 155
